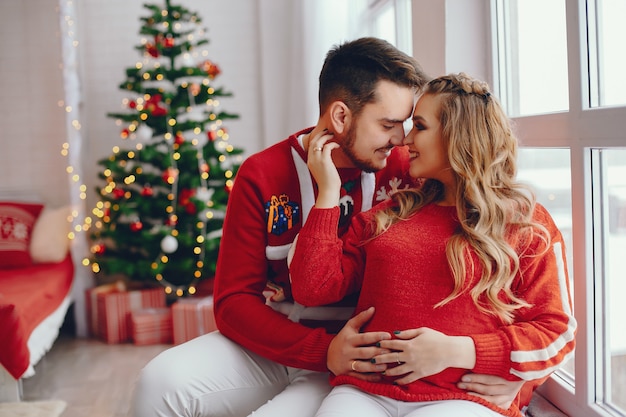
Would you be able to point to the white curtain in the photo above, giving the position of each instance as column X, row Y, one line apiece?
column 294, row 37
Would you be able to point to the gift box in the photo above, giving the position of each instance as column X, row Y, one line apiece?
column 151, row 326
column 192, row 317
column 109, row 307
column 91, row 303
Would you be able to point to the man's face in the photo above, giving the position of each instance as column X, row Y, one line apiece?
column 379, row 127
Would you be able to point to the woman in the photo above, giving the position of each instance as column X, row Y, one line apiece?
column 468, row 266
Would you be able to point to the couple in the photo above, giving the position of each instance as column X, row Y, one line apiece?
column 271, row 354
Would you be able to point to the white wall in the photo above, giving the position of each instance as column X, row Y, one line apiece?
column 32, row 125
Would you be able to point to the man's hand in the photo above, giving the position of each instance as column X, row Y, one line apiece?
column 350, row 352
column 492, row 388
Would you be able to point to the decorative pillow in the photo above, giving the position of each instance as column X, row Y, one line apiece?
column 49, row 242
column 16, row 225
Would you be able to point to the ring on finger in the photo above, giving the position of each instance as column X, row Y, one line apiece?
column 352, row 366
column 317, row 148
column 398, row 358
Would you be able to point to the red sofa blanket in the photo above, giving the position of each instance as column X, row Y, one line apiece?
column 27, row 296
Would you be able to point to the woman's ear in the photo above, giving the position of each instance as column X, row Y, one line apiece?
column 340, row 117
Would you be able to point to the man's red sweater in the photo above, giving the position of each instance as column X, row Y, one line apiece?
column 272, row 196
column 404, row 272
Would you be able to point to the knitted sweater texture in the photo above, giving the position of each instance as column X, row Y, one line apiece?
column 271, row 198
column 404, row 272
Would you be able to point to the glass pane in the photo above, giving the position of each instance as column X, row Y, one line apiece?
column 532, row 56
column 614, row 242
column 385, row 24
column 548, row 172
column 611, row 60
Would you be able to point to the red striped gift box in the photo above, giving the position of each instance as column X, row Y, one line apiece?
column 91, row 303
column 112, row 311
column 192, row 317
column 151, row 326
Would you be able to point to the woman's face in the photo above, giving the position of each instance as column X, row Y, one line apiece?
column 428, row 156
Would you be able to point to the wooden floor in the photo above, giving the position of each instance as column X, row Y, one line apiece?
column 94, row 378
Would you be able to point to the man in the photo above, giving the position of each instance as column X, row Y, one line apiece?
column 271, row 355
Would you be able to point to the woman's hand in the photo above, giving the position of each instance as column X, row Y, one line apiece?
column 422, row 352
column 350, row 352
column 323, row 169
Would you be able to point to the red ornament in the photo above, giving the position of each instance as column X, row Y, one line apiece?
column 191, row 208
column 212, row 135
column 136, row 226
column 124, row 134
column 179, row 139
column 118, row 193
column 169, row 175
column 154, row 106
column 204, row 167
column 147, row 191
column 168, row 42
column 184, row 197
column 152, row 50
column 210, row 68
column 98, row 249
column 132, row 104
column 171, row 222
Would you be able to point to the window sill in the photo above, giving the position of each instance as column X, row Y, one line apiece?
column 540, row 407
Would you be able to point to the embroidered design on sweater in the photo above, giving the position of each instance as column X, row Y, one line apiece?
column 282, row 214
column 394, row 185
column 346, row 202
column 346, row 209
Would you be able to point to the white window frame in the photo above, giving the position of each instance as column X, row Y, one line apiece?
column 402, row 13
column 444, row 41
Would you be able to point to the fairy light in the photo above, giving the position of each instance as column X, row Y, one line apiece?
column 149, row 69
column 71, row 149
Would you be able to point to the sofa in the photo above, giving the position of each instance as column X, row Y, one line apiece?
column 36, row 279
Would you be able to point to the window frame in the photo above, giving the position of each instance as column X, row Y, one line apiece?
column 580, row 129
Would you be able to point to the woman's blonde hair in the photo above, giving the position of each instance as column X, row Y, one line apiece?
column 493, row 208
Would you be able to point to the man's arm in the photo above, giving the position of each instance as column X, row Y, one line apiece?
column 242, row 273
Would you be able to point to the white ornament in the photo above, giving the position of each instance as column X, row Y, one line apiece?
column 204, row 194
column 144, row 133
column 169, row 244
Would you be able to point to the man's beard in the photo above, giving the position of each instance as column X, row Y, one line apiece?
column 348, row 150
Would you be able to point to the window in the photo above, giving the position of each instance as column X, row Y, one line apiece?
column 532, row 56
column 567, row 105
column 609, row 194
column 390, row 20
column 607, row 58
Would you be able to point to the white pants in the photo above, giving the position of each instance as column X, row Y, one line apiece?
column 211, row 376
column 349, row 401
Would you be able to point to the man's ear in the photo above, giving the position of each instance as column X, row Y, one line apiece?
column 340, row 117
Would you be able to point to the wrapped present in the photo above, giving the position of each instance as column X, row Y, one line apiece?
column 151, row 326
column 91, row 303
column 192, row 317
column 109, row 309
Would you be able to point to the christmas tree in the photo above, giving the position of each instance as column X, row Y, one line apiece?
column 163, row 200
